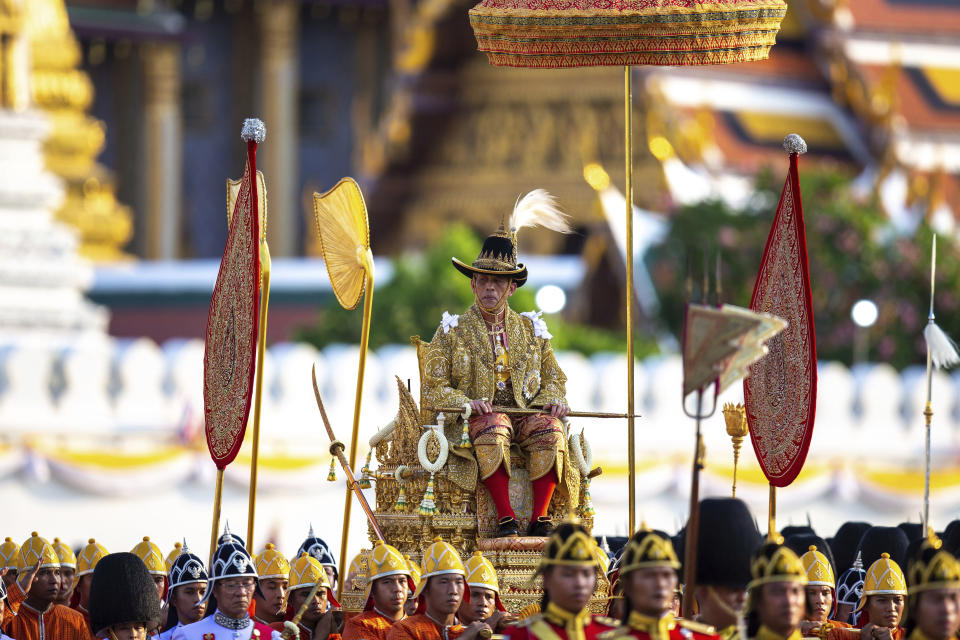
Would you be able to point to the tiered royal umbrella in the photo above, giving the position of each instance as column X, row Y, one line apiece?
column 551, row 34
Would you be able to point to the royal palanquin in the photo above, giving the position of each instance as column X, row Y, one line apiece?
column 465, row 515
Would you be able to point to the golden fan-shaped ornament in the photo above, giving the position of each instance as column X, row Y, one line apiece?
column 341, row 218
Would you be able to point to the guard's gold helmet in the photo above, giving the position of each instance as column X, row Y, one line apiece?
column 36, row 549
column 481, row 573
column 439, row 558
column 307, row 571
column 932, row 567
column 172, row 556
column 9, row 554
column 648, row 548
column 569, row 544
column 384, row 561
column 271, row 563
column 884, row 577
column 415, row 573
column 65, row 554
column 89, row 556
column 818, row 569
column 151, row 555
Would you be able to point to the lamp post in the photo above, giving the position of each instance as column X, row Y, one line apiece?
column 864, row 314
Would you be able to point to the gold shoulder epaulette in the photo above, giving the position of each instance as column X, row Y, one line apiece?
column 606, row 621
column 699, row 627
column 529, row 620
column 619, row 632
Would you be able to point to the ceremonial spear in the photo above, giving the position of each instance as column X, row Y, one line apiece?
column 344, row 231
column 232, row 329
column 941, row 353
column 290, row 629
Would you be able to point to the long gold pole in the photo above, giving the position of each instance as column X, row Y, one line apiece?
column 217, row 500
column 628, row 170
column 261, row 347
column 364, row 339
column 772, row 518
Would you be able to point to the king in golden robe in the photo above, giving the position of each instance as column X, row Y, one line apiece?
column 491, row 356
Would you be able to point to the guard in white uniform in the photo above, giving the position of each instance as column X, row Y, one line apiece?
column 233, row 580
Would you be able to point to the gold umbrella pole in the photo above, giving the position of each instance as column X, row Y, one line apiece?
column 258, row 389
column 364, row 339
column 217, row 501
column 772, row 518
column 736, row 419
column 628, row 171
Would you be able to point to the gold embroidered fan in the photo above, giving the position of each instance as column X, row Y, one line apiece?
column 341, row 218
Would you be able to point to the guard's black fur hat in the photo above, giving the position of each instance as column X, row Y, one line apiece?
column 802, row 542
column 914, row 530
column 728, row 540
column 122, row 590
column 845, row 543
column 951, row 537
column 796, row 529
column 879, row 540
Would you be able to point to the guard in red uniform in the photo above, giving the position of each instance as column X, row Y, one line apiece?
column 569, row 568
column 648, row 577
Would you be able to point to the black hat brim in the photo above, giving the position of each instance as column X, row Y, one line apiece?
column 518, row 275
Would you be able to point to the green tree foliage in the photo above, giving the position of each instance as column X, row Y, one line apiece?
column 425, row 285
column 854, row 253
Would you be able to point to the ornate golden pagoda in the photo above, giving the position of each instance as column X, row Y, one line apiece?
column 65, row 92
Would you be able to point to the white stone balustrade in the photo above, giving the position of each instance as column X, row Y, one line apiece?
column 112, row 387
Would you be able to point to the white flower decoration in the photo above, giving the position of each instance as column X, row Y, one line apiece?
column 449, row 321
column 539, row 324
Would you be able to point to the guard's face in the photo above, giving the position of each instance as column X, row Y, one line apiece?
column 651, row 589
column 46, row 585
column 781, row 606
column 234, row 595
column 443, row 594
column 938, row 613
column 316, row 607
column 159, row 582
column 130, row 631
column 390, row 593
column 10, row 577
column 274, row 599
column 490, row 289
column 66, row 585
column 83, row 589
column 331, row 576
column 187, row 601
column 885, row 610
column 483, row 602
column 570, row 587
column 819, row 602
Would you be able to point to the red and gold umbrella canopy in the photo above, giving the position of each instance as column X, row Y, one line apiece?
column 551, row 34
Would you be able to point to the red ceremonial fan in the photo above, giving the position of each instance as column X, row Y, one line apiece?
column 781, row 392
column 229, row 359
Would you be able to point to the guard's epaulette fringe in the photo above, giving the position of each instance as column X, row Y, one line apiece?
column 606, row 621
column 529, row 620
column 699, row 627
column 619, row 632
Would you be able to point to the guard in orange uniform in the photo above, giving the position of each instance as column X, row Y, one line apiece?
column 441, row 589
column 388, row 584
column 569, row 568
column 39, row 617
